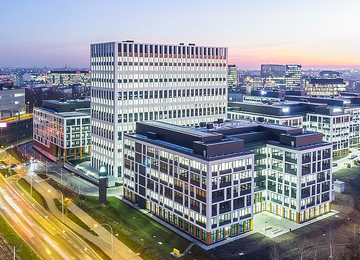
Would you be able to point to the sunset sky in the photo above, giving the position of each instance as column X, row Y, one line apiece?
column 316, row 34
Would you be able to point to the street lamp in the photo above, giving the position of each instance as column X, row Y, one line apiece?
column 265, row 227
column 112, row 237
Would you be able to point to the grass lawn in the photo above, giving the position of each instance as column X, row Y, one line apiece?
column 5, row 172
column 137, row 231
column 36, row 195
column 42, row 176
column 134, row 229
column 74, row 218
column 16, row 154
column 13, row 239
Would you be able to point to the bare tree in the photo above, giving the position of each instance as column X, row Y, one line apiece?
column 275, row 253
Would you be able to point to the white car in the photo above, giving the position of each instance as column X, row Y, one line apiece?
column 353, row 156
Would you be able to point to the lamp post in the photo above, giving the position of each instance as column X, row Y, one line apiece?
column 112, row 238
column 265, row 227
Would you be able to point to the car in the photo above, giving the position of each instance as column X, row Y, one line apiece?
column 13, row 165
column 352, row 156
column 334, row 164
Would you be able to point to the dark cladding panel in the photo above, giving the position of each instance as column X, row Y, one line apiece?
column 301, row 140
column 211, row 150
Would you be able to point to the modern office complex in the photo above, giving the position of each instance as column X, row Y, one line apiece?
column 232, row 76
column 12, row 102
column 324, row 87
column 69, row 77
column 62, row 129
column 130, row 82
column 337, row 118
column 209, row 181
column 293, row 76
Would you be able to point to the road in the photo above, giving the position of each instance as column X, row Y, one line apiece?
column 44, row 233
column 62, row 175
column 341, row 163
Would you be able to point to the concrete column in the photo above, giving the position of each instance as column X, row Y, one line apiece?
column 208, row 238
column 81, row 150
column 59, row 154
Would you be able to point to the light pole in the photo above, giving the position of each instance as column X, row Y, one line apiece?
column 265, row 227
column 112, row 238
column 61, row 173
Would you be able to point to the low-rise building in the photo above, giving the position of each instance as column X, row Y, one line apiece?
column 209, row 181
column 12, row 102
column 324, row 86
column 62, row 129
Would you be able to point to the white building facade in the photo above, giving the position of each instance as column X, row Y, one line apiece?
column 130, row 82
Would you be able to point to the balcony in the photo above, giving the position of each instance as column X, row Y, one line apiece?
column 238, row 169
column 225, row 184
column 291, row 171
column 278, row 157
column 325, row 166
column 291, row 160
column 306, row 171
column 306, row 160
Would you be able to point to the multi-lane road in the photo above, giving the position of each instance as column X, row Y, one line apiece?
column 44, row 233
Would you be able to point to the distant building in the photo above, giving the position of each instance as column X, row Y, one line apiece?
column 324, row 86
column 293, row 76
column 69, row 77
column 210, row 181
column 272, row 71
column 12, row 102
column 273, row 76
column 329, row 74
column 232, row 76
column 62, row 129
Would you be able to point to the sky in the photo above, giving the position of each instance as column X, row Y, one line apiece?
column 55, row 33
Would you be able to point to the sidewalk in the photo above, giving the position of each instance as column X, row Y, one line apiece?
column 103, row 241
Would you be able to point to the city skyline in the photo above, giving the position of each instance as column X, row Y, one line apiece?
column 315, row 35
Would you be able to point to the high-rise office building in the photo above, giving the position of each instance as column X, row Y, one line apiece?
column 232, row 76
column 130, row 82
column 293, row 76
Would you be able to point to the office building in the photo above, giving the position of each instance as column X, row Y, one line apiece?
column 293, row 76
column 272, row 71
column 329, row 74
column 273, row 76
column 209, row 181
column 69, row 77
column 62, row 129
column 337, row 118
column 232, row 76
column 324, row 86
column 131, row 82
column 12, row 102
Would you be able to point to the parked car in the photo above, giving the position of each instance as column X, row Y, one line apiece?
column 334, row 164
column 13, row 165
column 352, row 156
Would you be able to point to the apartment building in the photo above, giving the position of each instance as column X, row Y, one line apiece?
column 61, row 129
column 131, row 82
column 209, row 181
column 293, row 76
